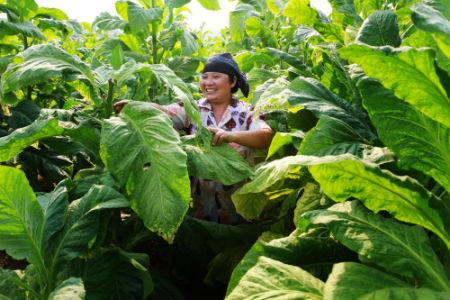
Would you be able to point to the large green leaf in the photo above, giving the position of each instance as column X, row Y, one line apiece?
column 309, row 250
column 108, row 22
column 344, row 177
column 268, row 182
column 395, row 247
column 26, row 8
column 274, row 96
column 312, row 95
column 410, row 73
column 350, row 281
column 188, row 42
column 288, row 58
column 271, row 279
column 210, row 4
column 420, row 142
column 380, row 29
column 168, row 78
column 139, row 18
column 10, row 285
column 344, row 11
column 15, row 142
column 81, row 223
column 332, row 136
column 26, row 29
column 406, row 294
column 116, row 274
column 221, row 163
column 69, row 289
column 142, row 149
column 51, row 12
column 21, row 217
column 41, row 63
column 238, row 17
column 281, row 139
column 300, row 12
column 433, row 19
column 54, row 207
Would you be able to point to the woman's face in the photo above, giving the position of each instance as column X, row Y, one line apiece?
column 216, row 87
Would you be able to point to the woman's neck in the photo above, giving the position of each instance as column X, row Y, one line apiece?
column 219, row 109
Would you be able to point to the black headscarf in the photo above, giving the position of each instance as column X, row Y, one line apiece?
column 224, row 63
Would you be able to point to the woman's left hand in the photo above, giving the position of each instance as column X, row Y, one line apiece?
column 221, row 135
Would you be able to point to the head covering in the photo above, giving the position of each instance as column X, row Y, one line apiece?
column 224, row 63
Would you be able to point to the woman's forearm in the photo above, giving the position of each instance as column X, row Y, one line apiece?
column 257, row 139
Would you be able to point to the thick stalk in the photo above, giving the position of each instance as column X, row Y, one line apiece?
column 109, row 99
column 25, row 41
column 154, row 35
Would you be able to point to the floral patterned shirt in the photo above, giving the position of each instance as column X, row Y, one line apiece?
column 212, row 200
column 237, row 117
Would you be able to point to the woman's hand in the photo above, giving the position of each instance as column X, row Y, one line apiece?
column 257, row 139
column 221, row 135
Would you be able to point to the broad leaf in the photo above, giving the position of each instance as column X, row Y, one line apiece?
column 344, row 177
column 274, row 96
column 54, row 207
column 82, row 223
column 288, row 58
column 395, row 247
column 349, row 281
column 271, row 279
column 18, row 140
column 188, row 43
column 300, row 12
column 50, row 12
column 26, row 29
column 106, row 21
column 210, row 4
column 433, row 19
column 139, row 18
column 21, row 218
column 410, row 73
column 221, row 163
column 268, row 182
column 332, row 136
column 309, row 250
column 116, row 274
column 312, row 95
column 69, row 289
column 380, row 29
column 142, row 149
column 406, row 293
column 167, row 77
column 41, row 63
column 281, row 139
column 10, row 285
column 237, row 20
column 420, row 142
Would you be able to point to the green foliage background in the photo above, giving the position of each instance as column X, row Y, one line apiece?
column 351, row 200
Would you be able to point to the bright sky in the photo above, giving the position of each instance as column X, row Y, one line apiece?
column 87, row 10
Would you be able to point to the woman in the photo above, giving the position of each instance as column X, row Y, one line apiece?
column 230, row 120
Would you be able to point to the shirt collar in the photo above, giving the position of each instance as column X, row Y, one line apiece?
column 205, row 104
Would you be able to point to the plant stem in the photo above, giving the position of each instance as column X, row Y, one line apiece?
column 154, row 35
column 109, row 98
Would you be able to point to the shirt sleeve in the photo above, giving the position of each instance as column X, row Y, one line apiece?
column 257, row 123
column 178, row 115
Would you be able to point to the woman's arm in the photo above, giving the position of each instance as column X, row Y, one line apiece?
column 257, row 139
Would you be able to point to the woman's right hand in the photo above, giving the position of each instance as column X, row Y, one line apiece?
column 118, row 106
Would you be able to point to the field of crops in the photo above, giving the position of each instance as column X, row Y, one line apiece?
column 351, row 200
